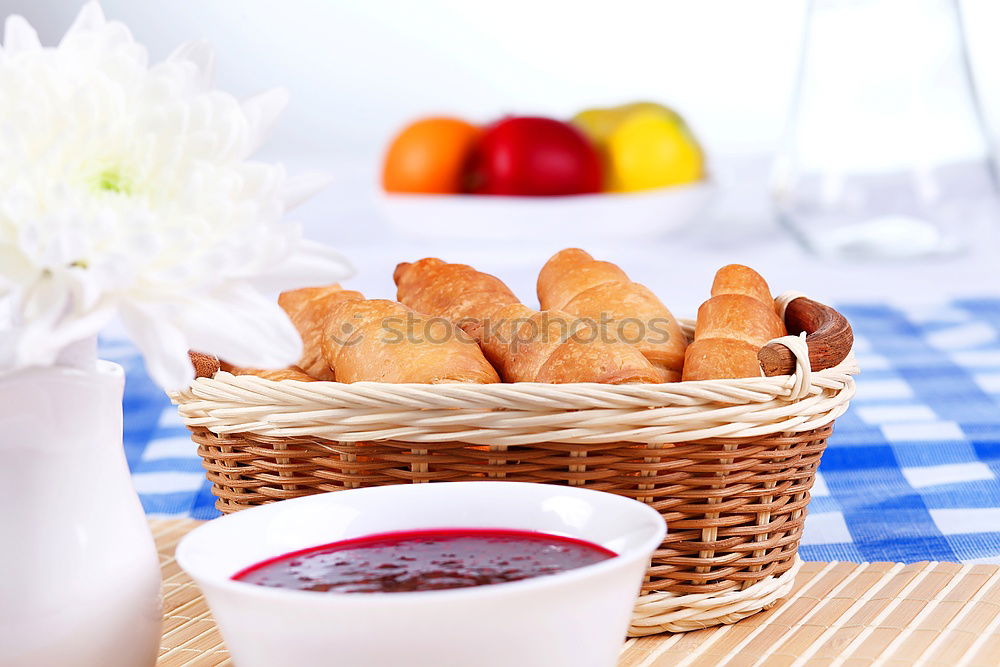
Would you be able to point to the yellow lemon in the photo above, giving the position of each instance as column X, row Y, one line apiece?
column 651, row 147
column 648, row 106
column 597, row 124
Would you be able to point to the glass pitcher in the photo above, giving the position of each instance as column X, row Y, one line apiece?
column 886, row 154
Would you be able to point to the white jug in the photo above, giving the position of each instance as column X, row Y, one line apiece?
column 79, row 574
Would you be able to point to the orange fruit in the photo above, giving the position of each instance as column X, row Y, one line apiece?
column 429, row 156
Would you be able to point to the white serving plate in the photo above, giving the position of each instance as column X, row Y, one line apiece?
column 578, row 617
column 615, row 216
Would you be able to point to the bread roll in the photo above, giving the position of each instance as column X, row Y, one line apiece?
column 308, row 309
column 575, row 282
column 524, row 345
column 732, row 326
column 277, row 374
column 384, row 341
column 207, row 365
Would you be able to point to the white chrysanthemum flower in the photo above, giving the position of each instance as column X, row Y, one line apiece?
column 127, row 189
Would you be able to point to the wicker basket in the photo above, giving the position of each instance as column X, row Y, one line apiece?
column 729, row 463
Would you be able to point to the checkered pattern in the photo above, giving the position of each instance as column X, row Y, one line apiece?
column 911, row 472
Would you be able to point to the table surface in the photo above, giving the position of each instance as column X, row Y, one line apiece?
column 845, row 613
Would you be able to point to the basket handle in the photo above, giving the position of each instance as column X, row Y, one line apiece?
column 828, row 335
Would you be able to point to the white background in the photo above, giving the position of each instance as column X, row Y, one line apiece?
column 358, row 70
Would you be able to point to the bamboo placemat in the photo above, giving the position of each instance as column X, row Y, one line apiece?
column 838, row 614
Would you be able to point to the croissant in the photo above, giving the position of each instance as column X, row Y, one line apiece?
column 290, row 373
column 207, row 365
column 524, row 345
column 732, row 326
column 308, row 308
column 384, row 341
column 575, row 282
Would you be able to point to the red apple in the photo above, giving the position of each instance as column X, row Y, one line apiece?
column 535, row 157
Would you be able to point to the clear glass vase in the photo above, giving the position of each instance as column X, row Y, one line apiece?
column 886, row 154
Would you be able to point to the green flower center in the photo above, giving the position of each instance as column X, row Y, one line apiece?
column 113, row 180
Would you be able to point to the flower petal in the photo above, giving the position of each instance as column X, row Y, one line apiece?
column 202, row 56
column 91, row 17
column 35, row 322
column 83, row 326
column 313, row 264
column 125, row 187
column 262, row 111
column 241, row 326
column 301, row 187
column 163, row 345
column 17, row 270
column 19, row 36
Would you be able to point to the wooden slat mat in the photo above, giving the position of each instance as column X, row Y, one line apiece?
column 839, row 613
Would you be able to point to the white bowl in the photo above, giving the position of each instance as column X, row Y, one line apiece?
column 578, row 617
column 616, row 216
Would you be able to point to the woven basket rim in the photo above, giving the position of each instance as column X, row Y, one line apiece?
column 517, row 413
column 848, row 366
column 734, row 391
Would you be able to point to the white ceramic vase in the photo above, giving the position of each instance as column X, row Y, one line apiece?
column 79, row 574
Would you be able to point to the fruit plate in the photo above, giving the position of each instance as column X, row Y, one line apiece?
column 614, row 216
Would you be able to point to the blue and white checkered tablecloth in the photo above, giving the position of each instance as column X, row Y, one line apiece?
column 912, row 471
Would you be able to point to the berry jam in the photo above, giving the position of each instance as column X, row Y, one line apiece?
column 424, row 560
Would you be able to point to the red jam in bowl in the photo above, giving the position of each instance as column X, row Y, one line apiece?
column 424, row 560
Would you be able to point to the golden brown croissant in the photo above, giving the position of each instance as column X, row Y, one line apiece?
column 732, row 326
column 290, row 373
column 308, row 308
column 523, row 344
column 384, row 341
column 575, row 282
column 207, row 365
